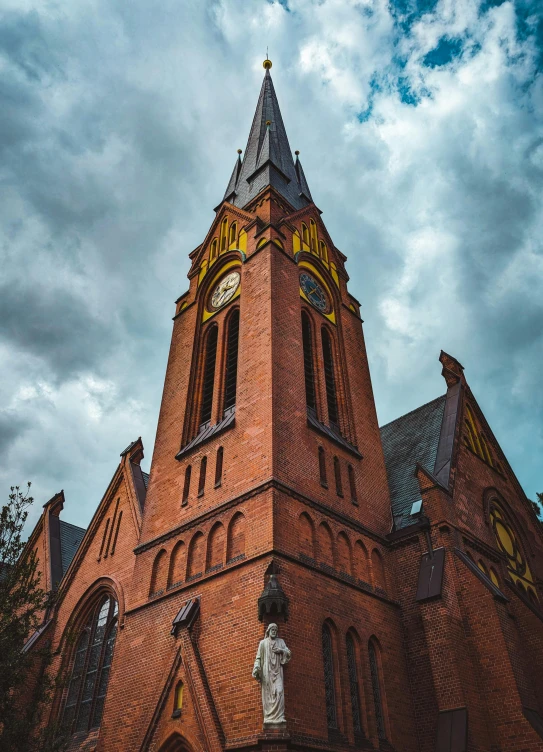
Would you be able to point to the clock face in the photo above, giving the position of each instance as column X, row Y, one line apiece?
column 225, row 290
column 314, row 292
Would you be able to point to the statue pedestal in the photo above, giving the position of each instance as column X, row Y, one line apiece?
column 282, row 727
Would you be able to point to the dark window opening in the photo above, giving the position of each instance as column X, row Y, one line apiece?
column 209, row 376
column 218, row 467
column 353, row 686
column 322, row 467
column 90, row 673
column 376, row 689
column 352, row 484
column 231, row 361
column 186, row 487
column 337, row 474
column 309, row 373
column 329, row 378
column 202, row 479
column 329, row 681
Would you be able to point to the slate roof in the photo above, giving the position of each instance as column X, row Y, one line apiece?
column 145, row 478
column 70, row 538
column 268, row 158
column 407, row 440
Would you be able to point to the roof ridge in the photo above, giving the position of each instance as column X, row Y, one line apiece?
column 400, row 417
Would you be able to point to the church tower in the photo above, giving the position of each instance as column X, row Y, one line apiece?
column 268, row 499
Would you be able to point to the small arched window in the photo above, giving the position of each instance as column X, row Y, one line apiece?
column 376, row 690
column 329, row 377
column 323, row 251
column 309, row 373
column 178, row 700
column 313, row 238
column 329, row 678
column 208, row 381
column 233, row 234
column 224, row 234
column 353, row 685
column 202, row 479
column 305, row 234
column 508, row 543
column 90, row 673
column 231, row 372
column 352, row 484
column 214, row 252
column 337, row 476
column 186, row 486
column 322, row 468
column 218, row 467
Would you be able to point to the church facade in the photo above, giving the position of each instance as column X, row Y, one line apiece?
column 401, row 565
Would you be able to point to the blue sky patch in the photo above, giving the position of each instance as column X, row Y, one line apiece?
column 446, row 50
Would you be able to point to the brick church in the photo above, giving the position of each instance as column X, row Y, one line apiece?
column 402, row 565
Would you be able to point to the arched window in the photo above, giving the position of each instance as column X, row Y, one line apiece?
column 202, row 479
column 322, row 467
column 178, row 700
column 196, row 555
column 329, row 378
column 231, row 373
column 233, row 234
column 475, row 440
column 508, row 543
column 337, row 476
column 90, row 673
column 353, row 685
column 224, row 234
column 376, row 690
column 215, row 547
column 326, row 545
column 352, row 484
column 176, row 572
column 158, row 574
column 329, row 678
column 306, row 535
column 323, row 251
column 218, row 467
column 313, row 229
column 344, row 558
column 482, row 567
column 305, row 234
column 213, row 253
column 309, row 372
column 208, row 381
column 186, row 486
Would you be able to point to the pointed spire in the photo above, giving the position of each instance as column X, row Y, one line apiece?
column 302, row 182
column 268, row 158
column 231, row 188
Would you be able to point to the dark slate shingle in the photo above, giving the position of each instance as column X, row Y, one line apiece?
column 70, row 538
column 407, row 440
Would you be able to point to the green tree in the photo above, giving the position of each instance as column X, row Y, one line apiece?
column 25, row 681
column 538, row 506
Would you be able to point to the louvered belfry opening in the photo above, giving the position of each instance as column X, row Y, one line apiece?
column 308, row 363
column 231, row 374
column 209, row 375
column 329, row 378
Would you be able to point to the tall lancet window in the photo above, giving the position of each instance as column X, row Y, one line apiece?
column 376, row 689
column 90, row 672
column 231, row 374
column 329, row 680
column 308, row 362
column 208, row 382
column 329, row 377
column 353, row 685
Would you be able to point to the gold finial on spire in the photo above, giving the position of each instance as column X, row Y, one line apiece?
column 296, row 152
column 239, row 151
column 267, row 64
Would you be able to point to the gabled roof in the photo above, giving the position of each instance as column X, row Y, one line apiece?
column 268, row 159
column 70, row 538
column 407, row 440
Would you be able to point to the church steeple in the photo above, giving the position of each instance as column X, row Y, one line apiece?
column 268, row 159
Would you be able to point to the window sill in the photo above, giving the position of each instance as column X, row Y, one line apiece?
column 331, row 434
column 228, row 421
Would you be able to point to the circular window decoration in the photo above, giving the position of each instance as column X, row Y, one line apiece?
column 225, row 290
column 508, row 545
column 314, row 292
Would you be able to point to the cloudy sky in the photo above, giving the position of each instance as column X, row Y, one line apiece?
column 420, row 127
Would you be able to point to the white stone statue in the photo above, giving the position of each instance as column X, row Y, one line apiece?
column 271, row 656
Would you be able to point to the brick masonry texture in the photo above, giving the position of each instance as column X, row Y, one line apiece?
column 336, row 555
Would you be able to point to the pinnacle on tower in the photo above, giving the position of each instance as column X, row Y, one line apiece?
column 268, row 159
